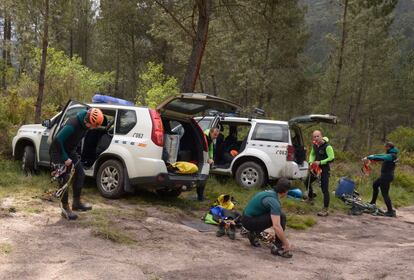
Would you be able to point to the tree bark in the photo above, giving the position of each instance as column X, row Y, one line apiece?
column 38, row 111
column 133, row 65
column 264, row 91
column 340, row 62
column 6, row 49
column 71, row 43
column 199, row 44
column 214, row 86
column 355, row 116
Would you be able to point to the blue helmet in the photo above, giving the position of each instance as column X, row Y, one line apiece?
column 295, row 193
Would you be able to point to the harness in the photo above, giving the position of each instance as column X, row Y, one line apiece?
column 58, row 174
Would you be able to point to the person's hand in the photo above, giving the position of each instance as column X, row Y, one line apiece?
column 286, row 246
column 68, row 162
column 317, row 162
column 210, row 161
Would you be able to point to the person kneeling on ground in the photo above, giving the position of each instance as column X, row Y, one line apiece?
column 264, row 211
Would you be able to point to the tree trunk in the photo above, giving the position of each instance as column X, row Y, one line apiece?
column 133, row 66
column 200, row 81
column 355, row 116
column 264, row 92
column 6, row 49
column 199, row 44
column 117, row 66
column 71, row 43
column 214, row 85
column 340, row 62
column 42, row 73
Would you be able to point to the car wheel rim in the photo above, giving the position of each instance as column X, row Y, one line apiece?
column 110, row 179
column 249, row 177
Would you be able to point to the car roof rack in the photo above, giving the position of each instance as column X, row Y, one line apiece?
column 106, row 99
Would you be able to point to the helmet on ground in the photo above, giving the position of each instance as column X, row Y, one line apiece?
column 295, row 193
column 95, row 117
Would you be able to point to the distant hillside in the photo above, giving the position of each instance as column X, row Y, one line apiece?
column 322, row 17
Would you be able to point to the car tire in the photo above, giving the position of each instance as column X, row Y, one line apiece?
column 168, row 192
column 110, row 179
column 250, row 175
column 28, row 160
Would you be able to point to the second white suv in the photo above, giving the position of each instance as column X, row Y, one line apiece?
column 263, row 150
column 130, row 150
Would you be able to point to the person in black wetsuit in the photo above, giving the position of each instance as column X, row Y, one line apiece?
column 387, row 176
column 63, row 151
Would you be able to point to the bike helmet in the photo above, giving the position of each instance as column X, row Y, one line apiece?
column 95, row 117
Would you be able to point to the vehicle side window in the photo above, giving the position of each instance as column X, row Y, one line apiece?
column 271, row 132
column 204, row 124
column 126, row 120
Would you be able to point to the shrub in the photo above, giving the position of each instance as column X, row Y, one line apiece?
column 155, row 86
column 403, row 138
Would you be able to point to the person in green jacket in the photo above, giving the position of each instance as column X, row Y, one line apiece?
column 321, row 155
column 211, row 135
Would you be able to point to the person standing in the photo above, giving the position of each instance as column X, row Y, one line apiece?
column 211, row 135
column 321, row 155
column 264, row 211
column 387, row 176
column 63, row 151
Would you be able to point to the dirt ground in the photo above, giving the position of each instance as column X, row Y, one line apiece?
column 44, row 246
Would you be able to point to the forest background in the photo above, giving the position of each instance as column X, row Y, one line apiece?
column 351, row 58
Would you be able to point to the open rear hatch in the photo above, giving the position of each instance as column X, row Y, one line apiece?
column 297, row 137
column 188, row 105
column 314, row 118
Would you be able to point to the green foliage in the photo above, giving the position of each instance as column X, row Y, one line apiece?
column 155, row 86
column 68, row 78
column 405, row 180
column 403, row 138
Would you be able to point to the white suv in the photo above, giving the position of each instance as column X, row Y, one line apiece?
column 264, row 150
column 129, row 149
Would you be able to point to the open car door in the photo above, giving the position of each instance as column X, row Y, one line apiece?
column 70, row 110
column 188, row 105
column 313, row 118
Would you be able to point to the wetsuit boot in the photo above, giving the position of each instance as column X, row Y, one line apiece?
column 232, row 231
column 67, row 212
column 221, row 231
column 77, row 205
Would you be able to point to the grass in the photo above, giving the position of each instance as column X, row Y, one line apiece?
column 5, row 248
column 301, row 215
column 101, row 222
column 300, row 221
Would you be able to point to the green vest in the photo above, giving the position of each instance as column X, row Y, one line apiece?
column 210, row 144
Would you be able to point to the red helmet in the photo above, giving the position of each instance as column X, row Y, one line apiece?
column 95, row 117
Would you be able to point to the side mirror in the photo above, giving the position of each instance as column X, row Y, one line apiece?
column 46, row 123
